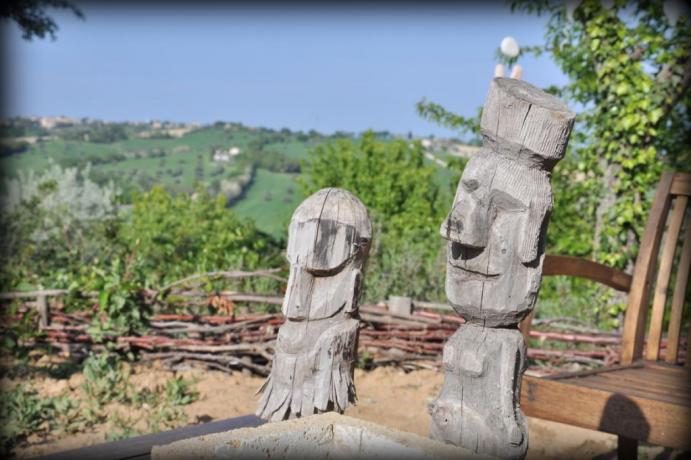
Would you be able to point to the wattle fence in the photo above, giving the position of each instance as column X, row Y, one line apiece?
column 400, row 332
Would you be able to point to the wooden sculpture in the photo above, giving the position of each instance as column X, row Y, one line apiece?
column 312, row 372
column 496, row 233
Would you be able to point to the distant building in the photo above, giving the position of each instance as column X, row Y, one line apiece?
column 221, row 156
column 54, row 122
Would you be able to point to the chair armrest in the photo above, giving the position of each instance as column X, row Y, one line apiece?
column 583, row 268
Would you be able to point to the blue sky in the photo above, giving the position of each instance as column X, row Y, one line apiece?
column 307, row 68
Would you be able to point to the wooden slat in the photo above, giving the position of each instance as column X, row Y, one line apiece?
column 583, row 268
column 651, row 388
column 660, row 366
column 652, row 421
column 525, row 325
column 643, row 377
column 625, row 388
column 140, row 447
column 681, row 184
column 679, row 379
column 675, row 318
column 632, row 338
column 569, row 375
column 663, row 277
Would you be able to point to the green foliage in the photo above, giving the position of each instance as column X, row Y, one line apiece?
column 23, row 412
column 108, row 380
column 105, row 378
column 48, row 224
column 439, row 115
column 101, row 133
column 628, row 68
column 271, row 216
column 66, row 232
column 405, row 203
column 8, row 148
column 20, row 329
column 176, row 236
column 179, row 392
column 31, row 17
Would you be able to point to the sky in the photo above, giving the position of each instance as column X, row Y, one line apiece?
column 309, row 67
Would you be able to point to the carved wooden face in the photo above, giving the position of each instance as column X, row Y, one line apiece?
column 495, row 255
column 322, row 246
column 328, row 243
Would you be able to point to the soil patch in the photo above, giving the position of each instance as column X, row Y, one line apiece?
column 387, row 396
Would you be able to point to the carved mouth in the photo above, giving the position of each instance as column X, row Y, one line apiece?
column 467, row 274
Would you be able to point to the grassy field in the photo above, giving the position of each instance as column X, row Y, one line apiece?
column 177, row 163
column 182, row 163
column 270, row 201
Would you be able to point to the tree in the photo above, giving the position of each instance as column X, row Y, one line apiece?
column 629, row 68
column 630, row 73
column 406, row 202
column 31, row 17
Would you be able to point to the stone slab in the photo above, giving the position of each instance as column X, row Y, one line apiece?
column 328, row 435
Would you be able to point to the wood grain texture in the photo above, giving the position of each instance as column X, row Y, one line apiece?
column 312, row 371
column 637, row 307
column 582, row 268
column 664, row 274
column 638, row 400
column 681, row 184
column 495, row 232
column 650, row 420
column 476, row 407
column 678, row 298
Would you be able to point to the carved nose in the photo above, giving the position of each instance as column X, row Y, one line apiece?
column 466, row 225
column 294, row 302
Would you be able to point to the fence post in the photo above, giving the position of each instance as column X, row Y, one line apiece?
column 400, row 305
column 43, row 311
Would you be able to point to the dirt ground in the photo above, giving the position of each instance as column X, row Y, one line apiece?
column 387, row 396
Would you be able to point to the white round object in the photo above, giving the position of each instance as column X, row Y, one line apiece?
column 673, row 9
column 509, row 47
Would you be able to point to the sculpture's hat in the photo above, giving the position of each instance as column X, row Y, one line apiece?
column 327, row 229
column 523, row 122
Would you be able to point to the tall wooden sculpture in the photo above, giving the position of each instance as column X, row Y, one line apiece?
column 496, row 233
column 328, row 243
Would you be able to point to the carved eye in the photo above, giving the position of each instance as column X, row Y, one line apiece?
column 470, row 185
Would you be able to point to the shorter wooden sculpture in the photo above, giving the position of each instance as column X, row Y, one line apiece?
column 328, row 244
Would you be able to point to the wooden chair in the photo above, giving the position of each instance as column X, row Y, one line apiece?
column 645, row 397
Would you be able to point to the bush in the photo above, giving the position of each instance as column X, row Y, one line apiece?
column 406, row 203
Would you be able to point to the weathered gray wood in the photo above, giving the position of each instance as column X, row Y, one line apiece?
column 495, row 232
column 43, row 312
column 328, row 243
column 400, row 305
column 476, row 408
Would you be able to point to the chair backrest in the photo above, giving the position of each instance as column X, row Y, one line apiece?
column 667, row 220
